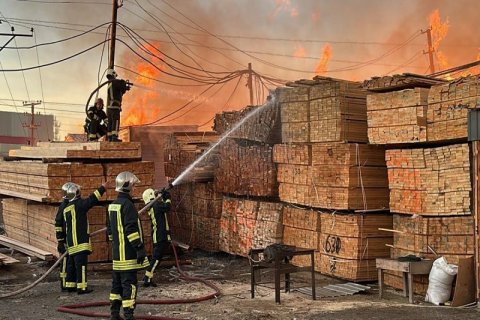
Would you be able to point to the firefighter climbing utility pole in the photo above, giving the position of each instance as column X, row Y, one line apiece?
column 116, row 87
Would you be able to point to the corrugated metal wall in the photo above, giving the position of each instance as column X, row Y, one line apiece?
column 11, row 124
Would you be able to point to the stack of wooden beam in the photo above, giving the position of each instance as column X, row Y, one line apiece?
column 332, row 175
column 301, row 228
column 397, row 116
column 255, row 123
column 427, row 237
column 323, row 110
column 400, row 82
column 430, row 181
column 195, row 216
column 183, row 148
column 247, row 224
column 38, row 173
column 246, row 168
column 350, row 243
column 448, row 106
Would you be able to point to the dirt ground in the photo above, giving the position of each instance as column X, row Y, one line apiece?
column 231, row 274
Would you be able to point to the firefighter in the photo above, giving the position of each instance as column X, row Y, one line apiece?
column 93, row 123
column 60, row 235
column 78, row 236
column 116, row 90
column 160, row 231
column 128, row 251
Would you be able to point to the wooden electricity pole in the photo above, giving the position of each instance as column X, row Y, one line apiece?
column 430, row 49
column 113, row 35
column 32, row 126
column 250, row 82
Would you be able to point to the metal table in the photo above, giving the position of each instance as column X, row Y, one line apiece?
column 281, row 265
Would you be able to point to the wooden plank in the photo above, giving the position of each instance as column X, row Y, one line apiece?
column 25, row 248
column 6, row 260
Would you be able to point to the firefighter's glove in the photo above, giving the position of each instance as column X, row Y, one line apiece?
column 61, row 247
column 166, row 195
column 141, row 254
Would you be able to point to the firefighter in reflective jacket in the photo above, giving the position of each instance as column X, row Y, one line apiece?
column 60, row 234
column 128, row 251
column 116, row 90
column 93, row 123
column 160, row 231
column 78, row 236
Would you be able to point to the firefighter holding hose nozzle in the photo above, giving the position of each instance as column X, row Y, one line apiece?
column 160, row 230
column 116, row 90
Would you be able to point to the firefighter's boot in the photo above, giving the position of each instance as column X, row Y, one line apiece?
column 115, row 309
column 128, row 314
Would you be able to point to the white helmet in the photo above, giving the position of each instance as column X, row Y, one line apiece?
column 148, row 195
column 111, row 74
column 73, row 192
column 65, row 189
column 125, row 181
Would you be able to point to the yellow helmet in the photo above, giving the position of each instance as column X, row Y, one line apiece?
column 148, row 195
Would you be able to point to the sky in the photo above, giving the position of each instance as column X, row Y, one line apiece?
column 188, row 59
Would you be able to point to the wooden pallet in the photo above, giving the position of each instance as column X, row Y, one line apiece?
column 25, row 248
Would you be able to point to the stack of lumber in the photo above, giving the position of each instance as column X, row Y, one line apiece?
column 33, row 224
column 42, row 182
column 430, row 181
column 400, row 82
column 301, row 228
column 451, row 237
column 246, row 168
column 323, row 110
column 183, row 148
column 195, row 215
column 87, row 150
column 350, row 243
column 397, row 116
column 247, row 224
column 255, row 123
column 448, row 106
column 332, row 175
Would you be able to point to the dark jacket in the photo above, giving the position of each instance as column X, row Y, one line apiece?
column 60, row 232
column 125, row 232
column 76, row 222
column 116, row 89
column 158, row 215
column 95, row 114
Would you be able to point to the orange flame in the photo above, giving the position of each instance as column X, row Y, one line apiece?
column 139, row 107
column 299, row 51
column 439, row 31
column 322, row 63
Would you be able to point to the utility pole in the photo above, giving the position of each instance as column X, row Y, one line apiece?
column 430, row 49
column 13, row 35
column 32, row 126
column 250, row 82
column 113, row 34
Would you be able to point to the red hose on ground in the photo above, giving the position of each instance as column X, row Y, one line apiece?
column 74, row 308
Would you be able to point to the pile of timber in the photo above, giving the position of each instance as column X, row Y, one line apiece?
column 42, row 182
column 397, row 116
column 255, row 123
column 247, row 224
column 323, row 110
column 74, row 151
column 350, row 243
column 33, row 224
column 246, row 168
column 341, row 176
column 451, row 237
column 400, row 82
column 430, row 181
column 183, row 148
column 448, row 106
column 195, row 215
column 301, row 228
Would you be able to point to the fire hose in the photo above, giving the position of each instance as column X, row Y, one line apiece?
column 74, row 308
